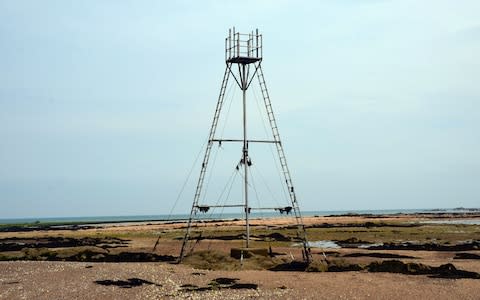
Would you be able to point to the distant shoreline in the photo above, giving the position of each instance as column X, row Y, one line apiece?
column 28, row 224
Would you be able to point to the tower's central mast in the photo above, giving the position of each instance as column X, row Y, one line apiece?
column 245, row 153
column 244, row 50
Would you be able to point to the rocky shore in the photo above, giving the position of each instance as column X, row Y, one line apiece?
column 383, row 256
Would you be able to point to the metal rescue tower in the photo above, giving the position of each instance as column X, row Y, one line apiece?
column 245, row 52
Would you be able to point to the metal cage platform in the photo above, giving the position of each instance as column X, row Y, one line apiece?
column 241, row 48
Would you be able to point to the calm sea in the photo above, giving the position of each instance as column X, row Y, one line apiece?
column 207, row 216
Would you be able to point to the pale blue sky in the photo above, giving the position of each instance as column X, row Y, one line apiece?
column 105, row 104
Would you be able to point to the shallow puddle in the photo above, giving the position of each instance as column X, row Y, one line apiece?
column 328, row 244
column 456, row 222
column 324, row 244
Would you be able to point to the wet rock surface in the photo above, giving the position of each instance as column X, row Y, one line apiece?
column 387, row 266
column 378, row 255
column 443, row 271
column 352, row 242
column 466, row 256
column 275, row 236
column 43, row 227
column 95, row 256
column 16, row 244
column 91, row 256
column 86, row 249
column 364, row 225
column 466, row 246
column 290, row 266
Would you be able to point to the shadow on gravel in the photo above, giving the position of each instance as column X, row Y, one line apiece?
column 126, row 284
column 220, row 283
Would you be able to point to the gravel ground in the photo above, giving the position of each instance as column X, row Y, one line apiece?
column 71, row 280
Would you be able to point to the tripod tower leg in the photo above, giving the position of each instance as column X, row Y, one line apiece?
column 206, row 158
column 301, row 232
